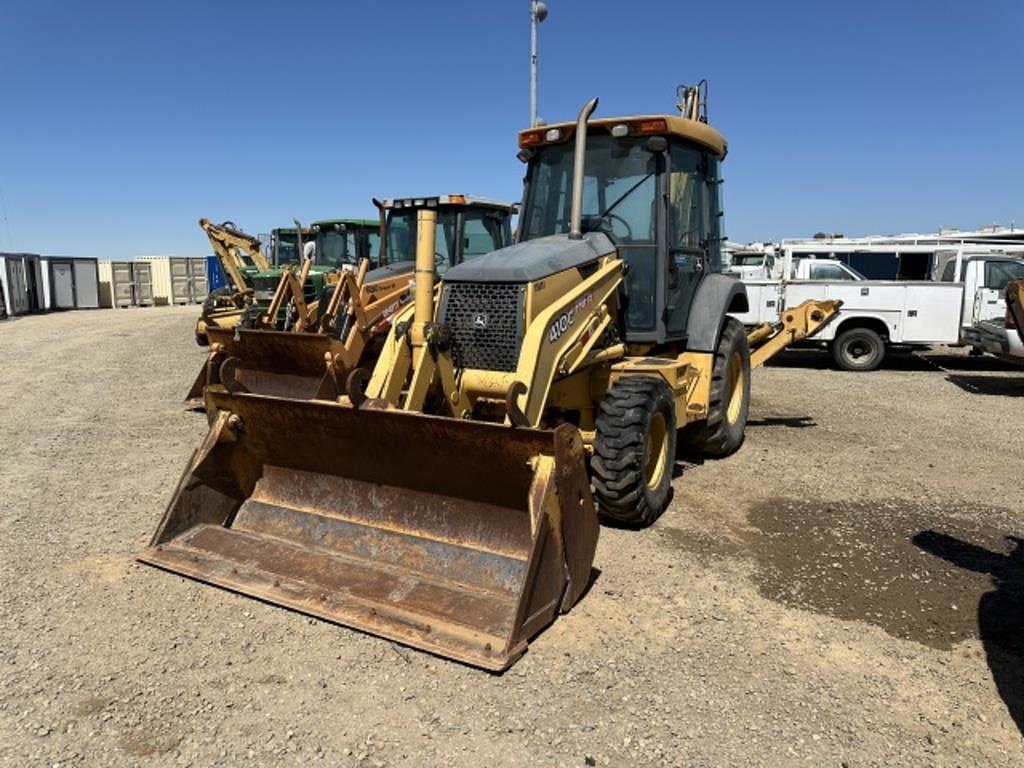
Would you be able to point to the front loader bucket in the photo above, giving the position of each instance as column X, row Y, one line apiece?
column 461, row 538
column 277, row 363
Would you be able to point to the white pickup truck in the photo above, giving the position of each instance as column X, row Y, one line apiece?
column 879, row 314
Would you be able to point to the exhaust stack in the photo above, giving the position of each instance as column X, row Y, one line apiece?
column 579, row 158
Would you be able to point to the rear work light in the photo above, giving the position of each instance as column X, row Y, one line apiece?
column 653, row 126
column 530, row 138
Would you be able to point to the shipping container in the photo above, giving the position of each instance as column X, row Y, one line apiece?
column 117, row 284
column 22, row 283
column 126, row 284
column 177, row 279
column 199, row 284
column 70, row 282
column 142, row 280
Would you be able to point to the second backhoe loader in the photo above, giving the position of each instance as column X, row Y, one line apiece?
column 329, row 337
column 446, row 501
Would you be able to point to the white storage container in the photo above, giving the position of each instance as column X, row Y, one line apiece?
column 70, row 282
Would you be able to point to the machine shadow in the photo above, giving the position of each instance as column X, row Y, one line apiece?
column 793, row 422
column 999, row 386
column 1000, row 612
column 821, row 360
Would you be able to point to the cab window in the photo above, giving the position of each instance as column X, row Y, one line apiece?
column 829, row 272
column 482, row 233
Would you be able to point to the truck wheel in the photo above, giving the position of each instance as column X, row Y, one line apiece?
column 858, row 349
column 634, row 450
column 729, row 401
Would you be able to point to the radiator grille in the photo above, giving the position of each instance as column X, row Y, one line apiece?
column 485, row 320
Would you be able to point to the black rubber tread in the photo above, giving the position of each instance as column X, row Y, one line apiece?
column 716, row 437
column 617, row 466
column 869, row 336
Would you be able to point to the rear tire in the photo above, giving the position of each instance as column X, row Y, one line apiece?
column 729, row 401
column 634, row 450
column 858, row 349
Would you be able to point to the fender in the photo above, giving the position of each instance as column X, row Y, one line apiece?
column 716, row 295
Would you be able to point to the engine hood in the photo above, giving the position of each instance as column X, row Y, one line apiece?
column 531, row 260
column 390, row 270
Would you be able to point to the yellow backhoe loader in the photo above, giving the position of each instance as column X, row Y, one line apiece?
column 1015, row 307
column 446, row 501
column 313, row 358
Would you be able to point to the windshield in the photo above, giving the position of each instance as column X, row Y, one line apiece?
column 748, row 260
column 401, row 238
column 287, row 247
column 373, row 246
column 618, row 190
column 336, row 247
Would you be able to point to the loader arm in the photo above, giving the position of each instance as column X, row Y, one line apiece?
column 289, row 288
column 796, row 324
column 558, row 340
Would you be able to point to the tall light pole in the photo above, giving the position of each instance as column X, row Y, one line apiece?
column 538, row 12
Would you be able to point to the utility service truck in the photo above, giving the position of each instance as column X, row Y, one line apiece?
column 968, row 288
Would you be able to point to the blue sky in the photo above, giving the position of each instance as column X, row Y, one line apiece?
column 124, row 123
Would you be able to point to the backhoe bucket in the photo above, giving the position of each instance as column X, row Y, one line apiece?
column 277, row 363
column 460, row 538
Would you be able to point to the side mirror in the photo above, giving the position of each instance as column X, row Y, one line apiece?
column 525, row 155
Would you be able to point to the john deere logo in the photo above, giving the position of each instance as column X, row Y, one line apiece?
column 480, row 321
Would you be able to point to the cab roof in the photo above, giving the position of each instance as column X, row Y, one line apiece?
column 347, row 222
column 433, row 201
column 635, row 125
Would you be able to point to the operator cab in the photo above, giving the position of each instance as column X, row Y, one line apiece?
column 651, row 184
column 284, row 246
column 466, row 227
column 345, row 242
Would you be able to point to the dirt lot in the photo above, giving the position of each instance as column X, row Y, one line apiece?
column 842, row 592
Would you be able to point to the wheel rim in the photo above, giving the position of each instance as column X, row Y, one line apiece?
column 656, row 451
column 859, row 351
column 735, row 388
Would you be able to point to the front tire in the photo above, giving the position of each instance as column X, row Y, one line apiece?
column 634, row 450
column 858, row 349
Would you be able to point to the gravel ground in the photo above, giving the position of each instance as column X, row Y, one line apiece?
column 842, row 592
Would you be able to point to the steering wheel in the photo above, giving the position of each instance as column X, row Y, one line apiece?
column 611, row 218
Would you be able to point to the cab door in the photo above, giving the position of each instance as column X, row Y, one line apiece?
column 990, row 297
column 693, row 231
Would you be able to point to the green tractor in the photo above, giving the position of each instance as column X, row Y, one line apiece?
column 337, row 244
